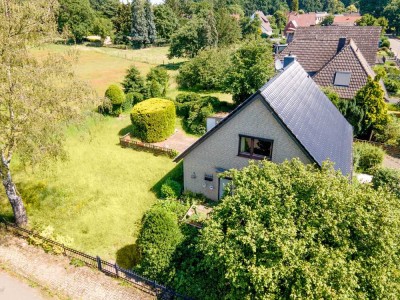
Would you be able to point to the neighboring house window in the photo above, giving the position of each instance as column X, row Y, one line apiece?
column 255, row 148
column 342, row 79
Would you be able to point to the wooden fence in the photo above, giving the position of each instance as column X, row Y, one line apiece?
column 128, row 143
column 143, row 283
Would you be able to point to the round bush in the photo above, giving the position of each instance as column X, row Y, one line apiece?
column 171, row 189
column 367, row 157
column 387, row 178
column 153, row 120
column 115, row 94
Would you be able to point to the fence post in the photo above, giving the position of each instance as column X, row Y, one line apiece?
column 65, row 253
column 98, row 263
column 116, row 269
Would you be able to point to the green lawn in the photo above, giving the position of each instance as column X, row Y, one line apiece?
column 99, row 195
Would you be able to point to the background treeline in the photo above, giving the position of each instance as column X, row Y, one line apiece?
column 208, row 22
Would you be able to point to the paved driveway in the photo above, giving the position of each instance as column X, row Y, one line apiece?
column 13, row 289
column 395, row 45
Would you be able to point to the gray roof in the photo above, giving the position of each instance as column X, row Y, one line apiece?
column 307, row 114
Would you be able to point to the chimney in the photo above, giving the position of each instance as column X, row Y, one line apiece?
column 341, row 44
column 288, row 59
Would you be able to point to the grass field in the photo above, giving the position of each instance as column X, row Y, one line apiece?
column 99, row 195
column 102, row 66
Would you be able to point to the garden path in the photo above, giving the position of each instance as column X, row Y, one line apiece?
column 391, row 162
column 55, row 273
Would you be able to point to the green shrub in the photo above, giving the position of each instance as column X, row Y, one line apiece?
column 157, row 241
column 153, row 120
column 117, row 97
column 158, row 78
column 115, row 94
column 171, row 189
column 187, row 97
column 390, row 135
column 136, row 98
column 206, row 71
column 367, row 157
column 127, row 105
column 133, row 82
column 385, row 43
column 196, row 121
column 387, row 178
column 392, row 86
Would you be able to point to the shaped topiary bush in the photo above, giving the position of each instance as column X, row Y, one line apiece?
column 153, row 120
column 117, row 97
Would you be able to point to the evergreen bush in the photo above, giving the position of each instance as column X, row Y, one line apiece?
column 153, row 120
column 171, row 189
column 117, row 97
column 387, row 178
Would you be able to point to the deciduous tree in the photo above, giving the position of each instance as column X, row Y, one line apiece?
column 291, row 231
column 37, row 97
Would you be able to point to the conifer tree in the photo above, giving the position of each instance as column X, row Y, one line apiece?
column 295, row 5
column 139, row 32
column 151, row 27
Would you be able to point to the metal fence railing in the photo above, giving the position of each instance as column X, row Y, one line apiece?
column 143, row 283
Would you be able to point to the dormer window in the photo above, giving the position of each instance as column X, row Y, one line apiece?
column 342, row 79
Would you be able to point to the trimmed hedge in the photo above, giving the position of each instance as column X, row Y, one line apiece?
column 153, row 120
column 115, row 94
column 367, row 157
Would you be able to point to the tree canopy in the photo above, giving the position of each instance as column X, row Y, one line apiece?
column 296, row 231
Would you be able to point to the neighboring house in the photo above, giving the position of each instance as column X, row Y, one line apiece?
column 265, row 24
column 346, row 20
column 337, row 57
column 320, row 16
column 296, row 20
column 366, row 37
column 288, row 117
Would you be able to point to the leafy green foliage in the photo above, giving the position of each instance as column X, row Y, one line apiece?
column 115, row 94
column 312, row 235
column 367, row 157
column 157, row 241
column 332, row 95
column 392, row 13
column 171, row 189
column 149, row 16
column 328, row 21
column 387, row 178
column 390, row 135
column 165, row 20
column 197, row 34
column 133, row 82
column 228, row 28
column 206, row 71
column 374, row 8
column 139, row 30
column 122, row 23
column 392, row 86
column 153, row 120
column 251, row 67
column 295, row 5
column 187, row 97
column 158, row 78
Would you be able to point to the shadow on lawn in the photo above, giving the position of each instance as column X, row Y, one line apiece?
column 128, row 256
column 175, row 174
column 171, row 66
column 125, row 130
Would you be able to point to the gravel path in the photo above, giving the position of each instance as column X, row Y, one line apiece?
column 57, row 275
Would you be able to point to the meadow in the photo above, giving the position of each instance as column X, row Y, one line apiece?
column 97, row 197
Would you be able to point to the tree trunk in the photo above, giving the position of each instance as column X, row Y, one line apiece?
column 18, row 207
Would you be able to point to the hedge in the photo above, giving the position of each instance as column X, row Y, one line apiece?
column 153, row 120
column 115, row 94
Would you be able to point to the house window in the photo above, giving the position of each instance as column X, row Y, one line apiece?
column 255, row 148
column 342, row 79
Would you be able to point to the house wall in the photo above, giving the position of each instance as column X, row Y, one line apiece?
column 220, row 150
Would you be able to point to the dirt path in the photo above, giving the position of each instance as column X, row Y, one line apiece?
column 14, row 289
column 57, row 275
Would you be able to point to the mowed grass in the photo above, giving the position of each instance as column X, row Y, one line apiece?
column 99, row 195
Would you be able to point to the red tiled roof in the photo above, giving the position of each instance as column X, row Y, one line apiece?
column 346, row 20
column 303, row 20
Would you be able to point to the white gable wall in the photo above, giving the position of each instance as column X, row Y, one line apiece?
column 220, row 150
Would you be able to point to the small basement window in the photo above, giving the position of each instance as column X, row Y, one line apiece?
column 255, row 148
column 342, row 79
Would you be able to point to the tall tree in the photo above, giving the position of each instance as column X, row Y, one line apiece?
column 108, row 8
column 139, row 32
column 123, row 23
column 33, row 109
column 252, row 66
column 165, row 20
column 295, row 5
column 392, row 13
column 149, row 16
column 373, row 7
column 228, row 27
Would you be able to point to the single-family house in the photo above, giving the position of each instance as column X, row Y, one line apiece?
column 346, row 19
column 296, row 20
column 265, row 24
column 289, row 117
column 338, row 64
